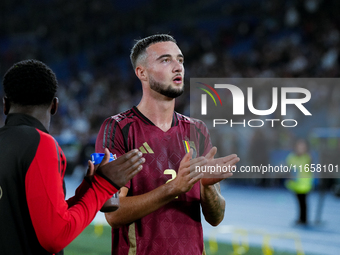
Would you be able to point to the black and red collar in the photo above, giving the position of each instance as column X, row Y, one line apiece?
column 18, row 119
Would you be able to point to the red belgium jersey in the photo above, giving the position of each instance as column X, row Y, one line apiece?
column 176, row 227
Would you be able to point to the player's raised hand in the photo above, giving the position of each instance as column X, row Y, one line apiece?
column 225, row 163
column 92, row 168
column 187, row 176
column 123, row 169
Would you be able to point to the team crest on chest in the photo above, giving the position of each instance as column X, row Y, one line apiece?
column 190, row 145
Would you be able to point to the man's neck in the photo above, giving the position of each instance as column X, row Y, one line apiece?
column 40, row 114
column 159, row 111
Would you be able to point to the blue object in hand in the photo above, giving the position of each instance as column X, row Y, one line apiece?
column 112, row 204
column 98, row 157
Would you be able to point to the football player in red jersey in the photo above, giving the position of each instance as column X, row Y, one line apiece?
column 34, row 216
column 159, row 209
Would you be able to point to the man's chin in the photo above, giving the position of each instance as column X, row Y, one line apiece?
column 170, row 91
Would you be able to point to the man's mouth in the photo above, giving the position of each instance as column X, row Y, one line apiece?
column 178, row 79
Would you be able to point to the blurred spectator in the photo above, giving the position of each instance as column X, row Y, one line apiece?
column 302, row 184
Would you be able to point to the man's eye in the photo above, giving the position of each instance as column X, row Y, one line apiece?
column 166, row 60
column 181, row 61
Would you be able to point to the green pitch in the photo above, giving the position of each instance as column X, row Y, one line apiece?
column 97, row 241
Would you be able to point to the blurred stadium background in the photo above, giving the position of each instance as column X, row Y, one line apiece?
column 87, row 44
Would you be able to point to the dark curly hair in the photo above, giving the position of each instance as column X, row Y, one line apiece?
column 140, row 46
column 29, row 83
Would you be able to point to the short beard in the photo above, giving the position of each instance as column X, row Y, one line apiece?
column 165, row 90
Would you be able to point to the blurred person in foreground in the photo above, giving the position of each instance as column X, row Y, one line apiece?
column 159, row 209
column 34, row 216
column 302, row 184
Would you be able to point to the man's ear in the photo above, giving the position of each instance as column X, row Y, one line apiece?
column 54, row 106
column 141, row 73
column 6, row 105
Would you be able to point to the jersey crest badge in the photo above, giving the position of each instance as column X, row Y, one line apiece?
column 190, row 145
